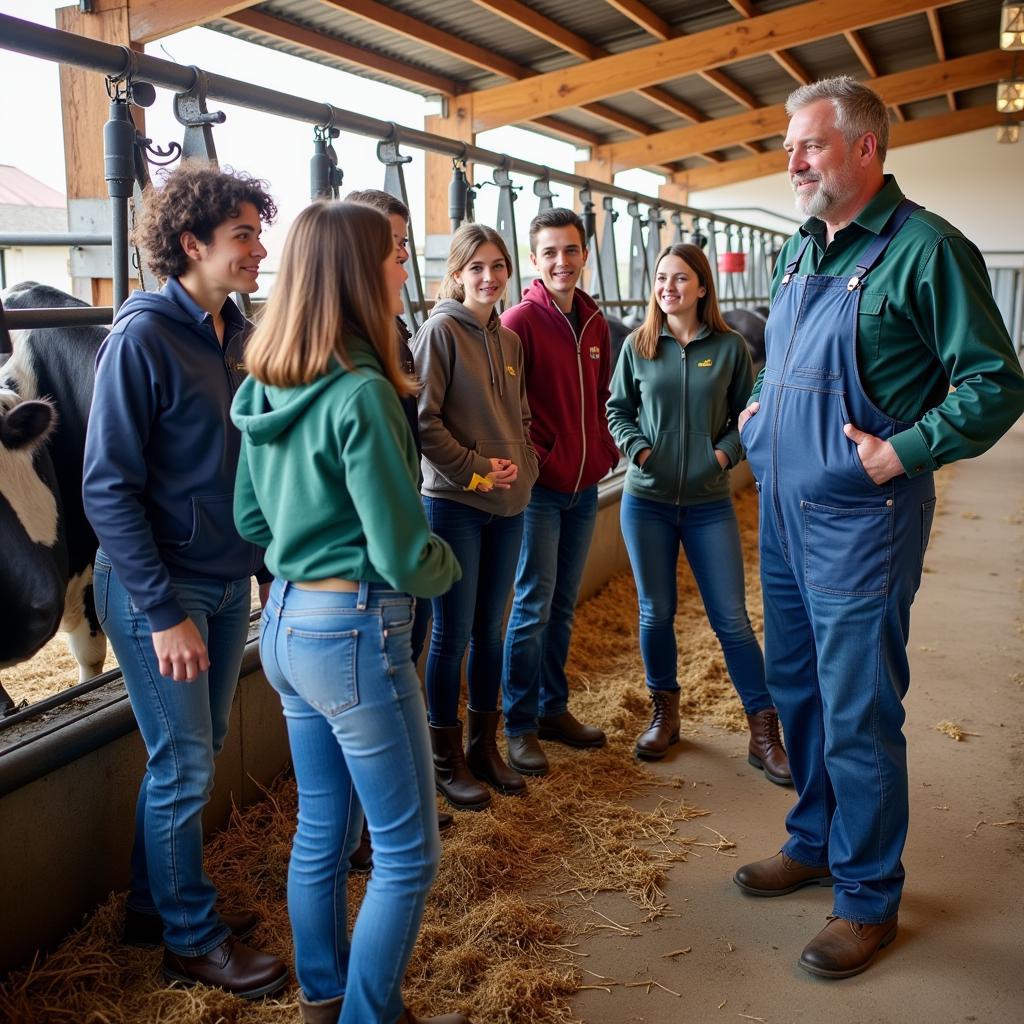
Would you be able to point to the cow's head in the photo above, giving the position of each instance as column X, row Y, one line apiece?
column 24, row 429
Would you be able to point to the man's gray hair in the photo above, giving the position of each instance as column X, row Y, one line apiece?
column 858, row 108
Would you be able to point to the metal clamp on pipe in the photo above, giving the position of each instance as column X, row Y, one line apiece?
column 542, row 190
column 459, row 195
column 325, row 176
column 190, row 111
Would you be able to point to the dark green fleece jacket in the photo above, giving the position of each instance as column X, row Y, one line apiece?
column 327, row 481
column 682, row 404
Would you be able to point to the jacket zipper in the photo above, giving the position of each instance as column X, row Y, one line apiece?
column 583, row 400
column 684, row 408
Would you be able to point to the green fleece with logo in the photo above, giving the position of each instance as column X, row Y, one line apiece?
column 327, row 481
column 682, row 404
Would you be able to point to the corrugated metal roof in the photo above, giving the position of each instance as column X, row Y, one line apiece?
column 967, row 27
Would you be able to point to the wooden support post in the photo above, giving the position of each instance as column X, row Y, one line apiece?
column 456, row 123
column 84, row 109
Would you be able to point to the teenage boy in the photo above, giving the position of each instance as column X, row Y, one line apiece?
column 398, row 214
column 566, row 346
column 172, row 576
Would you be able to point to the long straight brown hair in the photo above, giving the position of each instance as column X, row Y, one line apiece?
column 331, row 283
column 645, row 341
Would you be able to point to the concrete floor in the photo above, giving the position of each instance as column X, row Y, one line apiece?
column 959, row 956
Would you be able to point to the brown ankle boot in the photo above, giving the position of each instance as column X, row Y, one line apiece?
column 324, row 1011
column 484, row 759
column 766, row 750
column 451, row 776
column 664, row 728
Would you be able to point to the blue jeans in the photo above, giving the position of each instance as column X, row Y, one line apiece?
column 342, row 665
column 183, row 726
column 653, row 531
column 557, row 530
column 472, row 612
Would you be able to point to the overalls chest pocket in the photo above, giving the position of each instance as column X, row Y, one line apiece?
column 869, row 322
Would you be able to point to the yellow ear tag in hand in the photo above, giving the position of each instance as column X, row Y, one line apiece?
column 479, row 483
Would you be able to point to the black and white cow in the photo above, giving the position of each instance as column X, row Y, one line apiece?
column 749, row 324
column 46, row 542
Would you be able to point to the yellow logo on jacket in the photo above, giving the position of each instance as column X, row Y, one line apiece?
column 704, row 362
column 510, row 370
column 595, row 352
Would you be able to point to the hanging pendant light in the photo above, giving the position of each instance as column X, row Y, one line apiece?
column 1010, row 96
column 1008, row 133
column 1011, row 26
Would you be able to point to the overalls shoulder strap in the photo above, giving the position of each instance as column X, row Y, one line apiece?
column 873, row 253
column 795, row 261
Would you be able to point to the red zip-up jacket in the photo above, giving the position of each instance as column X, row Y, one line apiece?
column 567, row 385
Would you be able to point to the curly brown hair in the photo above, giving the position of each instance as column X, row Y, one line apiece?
column 196, row 198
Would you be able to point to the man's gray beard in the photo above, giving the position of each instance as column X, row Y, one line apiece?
column 816, row 205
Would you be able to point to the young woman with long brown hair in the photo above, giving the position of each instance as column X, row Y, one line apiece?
column 327, row 484
column 478, row 470
column 682, row 380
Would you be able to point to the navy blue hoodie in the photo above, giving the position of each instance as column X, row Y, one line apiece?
column 161, row 451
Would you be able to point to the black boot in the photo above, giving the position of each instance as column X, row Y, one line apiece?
column 664, row 728
column 451, row 776
column 484, row 759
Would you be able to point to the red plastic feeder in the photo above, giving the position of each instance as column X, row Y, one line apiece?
column 732, row 262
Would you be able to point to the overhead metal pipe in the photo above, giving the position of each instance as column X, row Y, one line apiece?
column 65, row 47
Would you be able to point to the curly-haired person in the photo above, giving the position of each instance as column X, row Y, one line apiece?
column 172, row 576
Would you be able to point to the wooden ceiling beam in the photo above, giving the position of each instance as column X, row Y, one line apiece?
column 732, row 89
column 151, row 19
column 423, row 32
column 410, row 73
column 792, row 66
column 675, row 58
column 333, row 47
column 558, row 35
column 902, row 87
column 868, row 63
column 785, row 60
column 640, row 14
column 909, row 133
column 935, row 27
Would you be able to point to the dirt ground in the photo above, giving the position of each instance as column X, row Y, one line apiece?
column 960, row 951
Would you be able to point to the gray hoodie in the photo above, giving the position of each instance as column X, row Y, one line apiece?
column 472, row 408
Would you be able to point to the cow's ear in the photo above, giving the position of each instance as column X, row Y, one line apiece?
column 27, row 425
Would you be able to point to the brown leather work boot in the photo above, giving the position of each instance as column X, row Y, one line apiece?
column 526, row 755
column 453, row 779
column 778, row 875
column 232, row 966
column 448, row 1018
column 324, row 1011
column 765, row 749
column 664, row 728
column 483, row 757
column 566, row 728
column 845, row 948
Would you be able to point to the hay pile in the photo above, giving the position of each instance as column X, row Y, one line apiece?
column 495, row 938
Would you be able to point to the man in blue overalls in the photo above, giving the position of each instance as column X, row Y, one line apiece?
column 879, row 307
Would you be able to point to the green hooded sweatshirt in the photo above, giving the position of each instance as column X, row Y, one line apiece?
column 327, row 481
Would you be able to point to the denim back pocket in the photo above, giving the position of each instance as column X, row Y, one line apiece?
column 322, row 668
column 847, row 550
